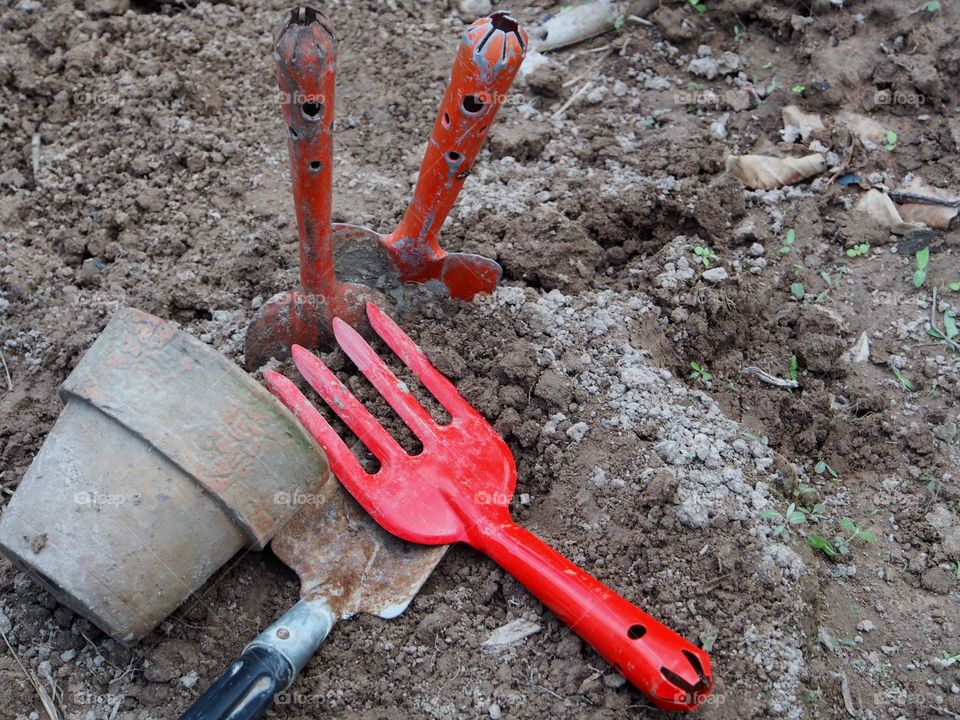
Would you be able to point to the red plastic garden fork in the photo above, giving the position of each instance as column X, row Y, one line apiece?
column 459, row 489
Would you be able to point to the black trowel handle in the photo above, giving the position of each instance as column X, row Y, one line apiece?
column 267, row 666
column 246, row 689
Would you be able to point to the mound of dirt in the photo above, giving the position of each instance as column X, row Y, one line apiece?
column 144, row 164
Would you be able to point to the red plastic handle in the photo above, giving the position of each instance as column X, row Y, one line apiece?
column 306, row 54
column 672, row 672
column 489, row 56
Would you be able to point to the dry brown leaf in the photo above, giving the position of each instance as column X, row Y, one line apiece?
column 934, row 216
column 878, row 206
column 762, row 172
column 863, row 127
column 806, row 123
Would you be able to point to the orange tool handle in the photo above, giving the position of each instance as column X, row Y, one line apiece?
column 672, row 672
column 488, row 59
column 306, row 54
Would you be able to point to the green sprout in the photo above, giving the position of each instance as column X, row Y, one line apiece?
column 950, row 324
column 904, row 380
column 698, row 5
column 788, row 241
column 704, row 254
column 784, row 522
column 700, row 372
column 856, row 533
column 891, row 144
column 858, row 250
column 797, row 290
column 923, row 262
column 932, row 7
column 819, row 542
column 798, row 89
column 954, row 286
column 823, row 467
column 794, row 368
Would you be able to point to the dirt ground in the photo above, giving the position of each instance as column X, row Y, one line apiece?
column 160, row 182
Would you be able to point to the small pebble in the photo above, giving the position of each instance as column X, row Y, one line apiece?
column 715, row 275
column 495, row 712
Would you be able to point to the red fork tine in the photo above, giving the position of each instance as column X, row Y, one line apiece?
column 414, row 358
column 347, row 407
column 384, row 380
column 342, row 461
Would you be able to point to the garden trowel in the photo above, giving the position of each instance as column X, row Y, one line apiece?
column 347, row 565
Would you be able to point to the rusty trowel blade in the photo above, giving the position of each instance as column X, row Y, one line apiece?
column 342, row 555
column 359, row 256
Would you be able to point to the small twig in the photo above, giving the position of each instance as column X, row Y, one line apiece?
column 563, row 108
column 45, row 700
column 640, row 20
column 6, row 370
column 766, row 377
column 35, row 154
column 590, row 71
column 909, row 197
column 96, row 650
column 933, row 309
column 447, row 682
column 844, row 165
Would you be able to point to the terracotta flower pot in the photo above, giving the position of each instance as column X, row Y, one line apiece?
column 166, row 461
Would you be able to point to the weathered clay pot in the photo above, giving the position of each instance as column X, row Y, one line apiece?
column 166, row 461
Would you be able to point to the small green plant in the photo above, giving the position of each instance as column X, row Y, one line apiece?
column 704, row 254
column 783, row 523
column 858, row 250
column 930, row 483
column 794, row 368
column 855, row 533
column 841, row 543
column 797, row 290
column 932, row 7
column 819, row 542
column 891, row 144
column 904, row 380
column 618, row 22
column 700, row 372
column 698, row 5
column 798, row 89
column 773, row 86
column 823, row 466
column 824, row 294
column 738, row 34
column 788, row 241
column 956, row 570
column 954, row 286
column 950, row 325
column 923, row 262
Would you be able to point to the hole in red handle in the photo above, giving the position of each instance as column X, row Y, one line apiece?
column 312, row 110
column 472, row 105
column 315, row 166
column 446, row 120
column 635, row 632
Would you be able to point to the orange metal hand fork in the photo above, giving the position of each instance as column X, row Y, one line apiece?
column 487, row 60
column 458, row 490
